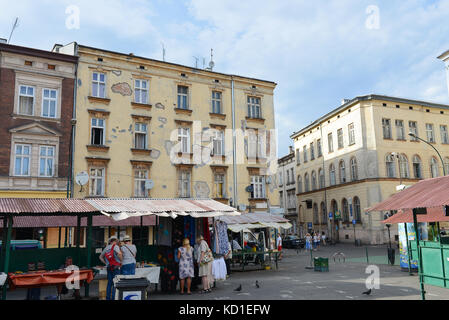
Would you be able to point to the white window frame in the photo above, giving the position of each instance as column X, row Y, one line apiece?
column 312, row 151
column 258, row 184
column 386, row 128
column 254, row 107
column 139, row 181
column 218, row 143
column 22, row 156
column 138, row 130
column 332, row 175
column 47, row 158
column 180, row 95
column 434, row 170
column 184, row 139
column 94, row 179
column 430, row 133
column 351, row 133
column 354, row 169
column 417, row 163
column 217, row 182
column 139, row 89
column 304, row 151
column 49, row 99
column 340, row 141
column 400, row 131
column 444, row 134
column 217, row 105
column 413, row 127
column 99, row 83
column 390, row 165
column 318, row 146
column 184, row 183
column 26, row 95
column 342, row 171
column 330, row 142
column 97, row 126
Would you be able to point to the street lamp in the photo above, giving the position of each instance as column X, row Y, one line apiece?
column 411, row 134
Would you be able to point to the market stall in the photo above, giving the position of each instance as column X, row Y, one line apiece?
column 426, row 202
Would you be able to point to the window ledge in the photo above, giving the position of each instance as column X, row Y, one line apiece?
column 146, row 106
column 183, row 111
column 217, row 115
column 258, row 199
column 35, row 118
column 141, row 151
column 100, row 148
column 258, row 120
column 99, row 100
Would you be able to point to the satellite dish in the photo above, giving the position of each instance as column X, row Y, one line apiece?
column 242, row 207
column 249, row 189
column 149, row 184
column 81, row 178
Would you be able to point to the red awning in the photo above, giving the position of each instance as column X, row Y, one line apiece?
column 429, row 193
column 433, row 215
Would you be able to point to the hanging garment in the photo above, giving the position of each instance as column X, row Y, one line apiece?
column 222, row 237
column 219, row 270
column 206, row 230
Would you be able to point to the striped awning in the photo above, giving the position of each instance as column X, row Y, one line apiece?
column 406, row 216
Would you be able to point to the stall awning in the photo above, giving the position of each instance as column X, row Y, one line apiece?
column 403, row 216
column 429, row 193
column 254, row 221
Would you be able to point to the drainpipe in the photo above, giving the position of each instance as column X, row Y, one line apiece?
column 234, row 156
column 329, row 225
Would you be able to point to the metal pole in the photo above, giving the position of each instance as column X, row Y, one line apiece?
column 4, row 238
column 420, row 270
column 7, row 246
column 78, row 238
column 234, row 156
column 89, row 249
column 408, row 250
column 355, row 240
column 367, row 258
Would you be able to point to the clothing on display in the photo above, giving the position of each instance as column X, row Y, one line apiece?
column 222, row 237
column 219, row 270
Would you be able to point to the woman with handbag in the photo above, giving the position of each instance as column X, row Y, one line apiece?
column 205, row 259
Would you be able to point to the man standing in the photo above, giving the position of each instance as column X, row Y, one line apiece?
column 129, row 252
column 279, row 245
column 112, row 257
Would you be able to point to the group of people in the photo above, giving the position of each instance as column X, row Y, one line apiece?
column 119, row 258
column 314, row 240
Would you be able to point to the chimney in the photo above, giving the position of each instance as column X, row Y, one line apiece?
column 344, row 101
column 291, row 149
column 2, row 40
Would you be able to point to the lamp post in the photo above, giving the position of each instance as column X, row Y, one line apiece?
column 411, row 134
column 389, row 239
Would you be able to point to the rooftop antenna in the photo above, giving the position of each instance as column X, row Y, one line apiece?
column 211, row 63
column 196, row 62
column 163, row 51
column 204, row 63
column 15, row 25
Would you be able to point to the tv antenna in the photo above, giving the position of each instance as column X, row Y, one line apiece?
column 196, row 62
column 15, row 25
column 163, row 51
column 211, row 62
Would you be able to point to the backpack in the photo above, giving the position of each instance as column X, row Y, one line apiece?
column 111, row 258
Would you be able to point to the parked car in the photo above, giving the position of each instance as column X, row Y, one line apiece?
column 293, row 242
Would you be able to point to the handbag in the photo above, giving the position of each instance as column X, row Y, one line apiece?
column 208, row 257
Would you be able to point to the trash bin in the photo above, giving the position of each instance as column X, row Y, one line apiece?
column 391, row 255
column 324, row 264
column 316, row 264
column 358, row 243
column 131, row 287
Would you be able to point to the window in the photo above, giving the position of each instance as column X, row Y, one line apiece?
column 219, row 183
column 413, row 127
column 357, row 211
column 140, row 136
column 446, row 165
column 22, row 160
column 342, row 169
column 390, row 166
column 258, row 184
column 400, row 134
column 141, row 91
column 354, row 169
column 386, row 126
column 316, row 219
column 306, row 183
column 403, row 166
column 299, row 184
column 298, row 157
column 183, row 97
column 140, row 177
column 218, row 143
column 46, row 160
column 26, row 100
column 98, row 85
column 280, row 179
column 323, row 214
column 184, row 184
column 292, row 174
column 351, row 134
column 184, row 138
column 318, row 147
column 97, row 133
column 332, row 178
column 321, row 178
column 417, row 172
column 444, row 134
column 330, row 142
column 288, row 177
column 340, row 138
column 430, row 133
column 49, row 103
column 254, row 107
column 314, row 185
column 96, row 177
column 345, row 209
column 216, row 102
column 312, row 151
column 304, row 151
column 434, row 170
column 281, row 198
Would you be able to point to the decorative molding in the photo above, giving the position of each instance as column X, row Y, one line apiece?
column 183, row 122
column 217, row 126
column 97, row 148
column 256, row 120
column 99, row 100
column 183, row 111
column 139, row 117
column 141, row 163
column 184, row 166
column 98, row 113
column 141, row 151
column 220, row 116
column 93, row 161
column 137, row 105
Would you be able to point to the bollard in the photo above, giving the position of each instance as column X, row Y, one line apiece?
column 367, row 259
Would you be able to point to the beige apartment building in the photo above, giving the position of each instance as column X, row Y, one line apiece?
column 358, row 155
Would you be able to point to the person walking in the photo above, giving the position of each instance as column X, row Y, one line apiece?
column 315, row 241
column 308, row 241
column 186, row 270
column 228, row 259
column 112, row 257
column 279, row 245
column 205, row 259
column 323, row 238
column 129, row 252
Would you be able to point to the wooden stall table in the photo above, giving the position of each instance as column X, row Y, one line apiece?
column 249, row 253
column 38, row 279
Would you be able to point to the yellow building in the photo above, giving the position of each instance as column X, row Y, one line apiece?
column 360, row 154
column 139, row 119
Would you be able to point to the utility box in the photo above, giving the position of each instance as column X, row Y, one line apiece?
column 131, row 287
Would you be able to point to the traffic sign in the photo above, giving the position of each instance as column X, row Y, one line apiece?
column 353, row 221
column 330, row 215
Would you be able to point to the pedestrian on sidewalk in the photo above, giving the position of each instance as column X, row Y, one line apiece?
column 315, row 241
column 323, row 238
column 112, row 257
column 205, row 258
column 279, row 245
column 129, row 252
column 308, row 241
column 186, row 270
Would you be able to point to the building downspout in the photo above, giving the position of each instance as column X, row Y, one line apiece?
column 234, row 156
column 325, row 189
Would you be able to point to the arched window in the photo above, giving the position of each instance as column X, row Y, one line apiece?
column 354, row 169
column 321, row 177
column 390, row 166
column 316, row 219
column 323, row 214
column 403, row 166
column 314, row 180
column 345, row 209
column 299, row 184
column 301, row 214
column 356, row 208
column 342, row 169
column 306, row 183
column 417, row 167
column 446, row 165
column 434, row 168
column 334, row 207
column 332, row 178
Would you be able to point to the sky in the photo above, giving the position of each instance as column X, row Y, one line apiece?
column 318, row 52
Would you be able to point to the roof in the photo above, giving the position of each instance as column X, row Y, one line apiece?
column 23, row 206
column 444, row 55
column 252, row 218
column 38, row 53
column 429, row 193
column 433, row 215
column 367, row 98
